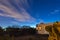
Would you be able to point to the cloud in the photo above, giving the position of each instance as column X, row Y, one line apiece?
column 16, row 9
column 15, row 22
column 55, row 12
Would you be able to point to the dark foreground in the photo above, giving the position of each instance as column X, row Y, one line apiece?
column 26, row 37
column 32, row 37
column 12, row 33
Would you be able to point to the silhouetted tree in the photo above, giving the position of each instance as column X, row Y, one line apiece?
column 25, row 26
column 1, row 30
column 26, row 30
column 12, row 30
column 1, row 33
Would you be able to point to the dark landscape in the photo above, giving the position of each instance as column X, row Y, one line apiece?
column 24, row 33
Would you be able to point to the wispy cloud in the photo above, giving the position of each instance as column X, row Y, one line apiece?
column 55, row 12
column 15, row 22
column 16, row 9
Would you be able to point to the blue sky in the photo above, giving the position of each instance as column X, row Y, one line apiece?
column 28, row 12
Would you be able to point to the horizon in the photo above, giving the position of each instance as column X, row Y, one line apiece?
column 28, row 12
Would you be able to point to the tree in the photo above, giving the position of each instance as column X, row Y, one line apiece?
column 26, row 26
column 1, row 33
column 13, row 31
column 1, row 30
column 27, row 30
column 9, row 32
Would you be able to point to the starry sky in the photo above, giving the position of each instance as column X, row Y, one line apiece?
column 28, row 12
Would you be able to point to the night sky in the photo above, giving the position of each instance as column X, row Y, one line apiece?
column 28, row 12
